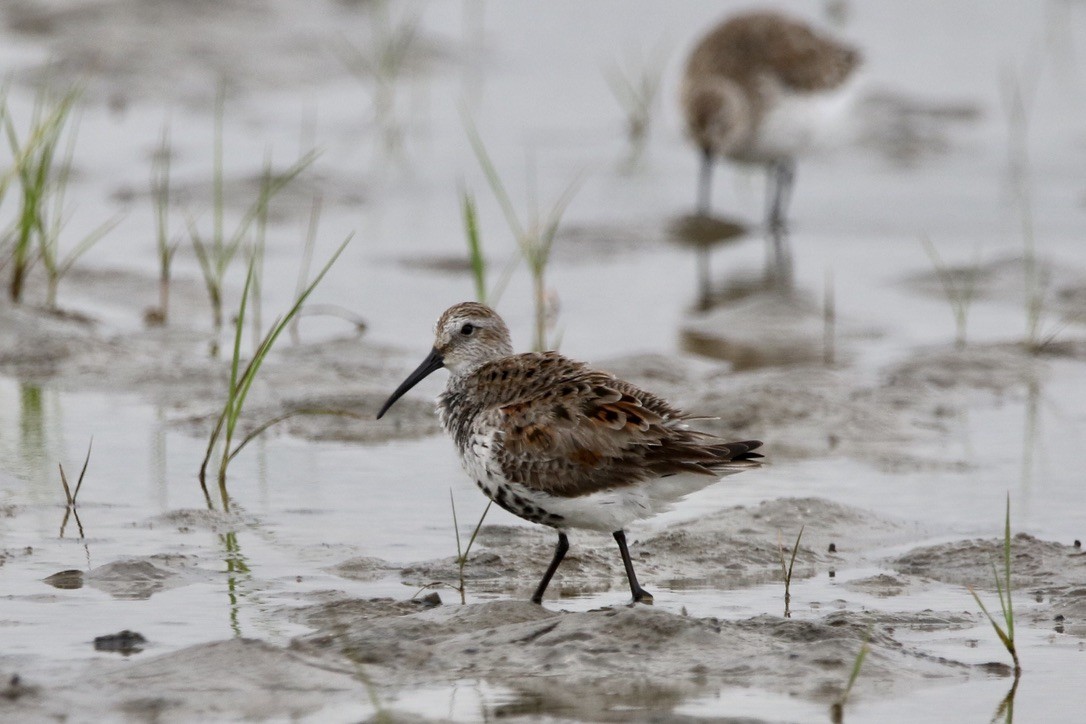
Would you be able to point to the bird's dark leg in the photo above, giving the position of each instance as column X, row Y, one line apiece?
column 640, row 595
column 559, row 554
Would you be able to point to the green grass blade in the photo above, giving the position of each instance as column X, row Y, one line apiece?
column 475, row 250
column 995, row 624
column 259, row 429
column 246, row 379
column 239, row 328
column 492, row 176
column 242, row 383
column 456, row 529
column 475, row 532
column 1008, row 609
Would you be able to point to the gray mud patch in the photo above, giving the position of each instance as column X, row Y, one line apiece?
column 141, row 578
column 895, row 421
column 170, row 50
column 1004, row 279
column 1051, row 573
column 239, row 679
column 329, row 390
column 765, row 328
column 734, row 548
column 620, row 653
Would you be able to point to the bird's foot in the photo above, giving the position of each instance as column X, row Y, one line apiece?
column 643, row 596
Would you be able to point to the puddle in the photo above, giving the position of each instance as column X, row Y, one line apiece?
column 897, row 449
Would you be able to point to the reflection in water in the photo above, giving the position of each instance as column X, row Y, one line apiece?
column 71, row 497
column 541, row 698
column 237, row 570
column 703, row 232
column 32, row 438
column 159, row 453
column 779, row 273
column 1030, row 433
column 1005, row 710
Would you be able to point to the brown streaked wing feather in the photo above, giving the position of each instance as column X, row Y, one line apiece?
column 599, row 432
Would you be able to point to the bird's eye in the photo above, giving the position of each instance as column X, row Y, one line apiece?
column 467, row 329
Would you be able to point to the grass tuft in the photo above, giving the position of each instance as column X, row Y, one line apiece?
column 383, row 61
column 71, row 497
column 837, row 709
column 241, row 379
column 167, row 246
column 786, row 570
column 475, row 249
column 1004, row 631
column 959, row 287
column 635, row 84
column 535, row 239
column 216, row 253
column 42, row 172
column 462, row 555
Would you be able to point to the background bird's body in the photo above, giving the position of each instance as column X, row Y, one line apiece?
column 765, row 89
column 762, row 87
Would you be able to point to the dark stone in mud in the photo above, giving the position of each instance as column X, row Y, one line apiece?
column 66, row 580
column 125, row 642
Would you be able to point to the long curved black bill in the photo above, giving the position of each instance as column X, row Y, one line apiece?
column 434, row 362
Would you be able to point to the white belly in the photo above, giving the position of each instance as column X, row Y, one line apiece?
column 797, row 124
column 606, row 511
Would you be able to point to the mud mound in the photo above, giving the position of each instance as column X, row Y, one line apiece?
column 1035, row 564
column 1051, row 573
column 734, row 548
column 995, row 368
column 623, row 651
column 141, row 578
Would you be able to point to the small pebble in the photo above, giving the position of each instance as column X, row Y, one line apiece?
column 126, row 642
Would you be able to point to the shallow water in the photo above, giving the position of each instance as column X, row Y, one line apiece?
column 307, row 506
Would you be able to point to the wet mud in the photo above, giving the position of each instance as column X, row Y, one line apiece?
column 329, row 591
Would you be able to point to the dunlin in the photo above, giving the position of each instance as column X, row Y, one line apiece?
column 558, row 443
column 763, row 88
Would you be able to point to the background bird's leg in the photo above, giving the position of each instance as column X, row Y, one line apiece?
column 640, row 595
column 782, row 176
column 705, row 183
column 559, row 554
